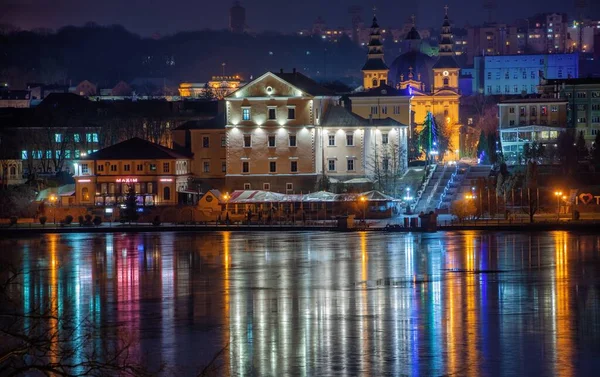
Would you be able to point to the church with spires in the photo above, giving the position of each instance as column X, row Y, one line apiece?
column 430, row 82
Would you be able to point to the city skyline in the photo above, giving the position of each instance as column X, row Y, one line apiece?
column 158, row 17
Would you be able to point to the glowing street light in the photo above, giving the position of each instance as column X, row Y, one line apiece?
column 558, row 195
column 363, row 199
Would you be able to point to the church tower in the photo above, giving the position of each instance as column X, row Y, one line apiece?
column 375, row 71
column 446, row 69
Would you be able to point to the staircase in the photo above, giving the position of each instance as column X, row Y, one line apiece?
column 460, row 184
column 435, row 187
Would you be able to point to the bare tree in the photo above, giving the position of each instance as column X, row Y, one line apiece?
column 386, row 165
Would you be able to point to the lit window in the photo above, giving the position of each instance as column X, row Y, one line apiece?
column 76, row 138
column 24, row 155
column 152, row 167
column 58, row 138
column 84, row 169
column 246, row 113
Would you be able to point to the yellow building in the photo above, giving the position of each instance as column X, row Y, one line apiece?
column 432, row 83
column 157, row 174
column 219, row 87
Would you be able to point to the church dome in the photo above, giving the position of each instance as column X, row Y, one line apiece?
column 416, row 62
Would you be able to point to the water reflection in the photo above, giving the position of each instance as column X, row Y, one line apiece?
column 329, row 304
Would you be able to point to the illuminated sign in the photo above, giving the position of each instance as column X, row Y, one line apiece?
column 127, row 180
column 166, row 180
column 84, row 180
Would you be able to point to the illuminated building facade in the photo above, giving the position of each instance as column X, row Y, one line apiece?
column 155, row 172
column 218, row 87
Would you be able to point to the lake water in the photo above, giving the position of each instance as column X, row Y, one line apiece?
column 329, row 304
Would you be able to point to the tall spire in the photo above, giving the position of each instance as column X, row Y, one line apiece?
column 446, row 35
column 375, row 68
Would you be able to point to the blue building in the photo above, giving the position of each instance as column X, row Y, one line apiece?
column 519, row 74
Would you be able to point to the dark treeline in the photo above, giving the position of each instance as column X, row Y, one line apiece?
column 108, row 54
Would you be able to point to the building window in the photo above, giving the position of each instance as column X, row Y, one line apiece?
column 544, row 110
column 516, row 88
column 524, row 74
column 166, row 167
column 446, row 81
column 511, row 110
column 245, row 167
column 489, row 89
column 91, row 138
column 206, row 167
column 271, row 141
column 384, row 138
column 511, row 123
column 150, row 188
column 294, row 166
column 595, row 119
column 140, row 167
column 58, row 138
column 386, row 164
column 113, row 168
column 267, row 186
column 489, row 75
column 272, row 167
column 247, row 186
column 272, row 113
column 246, row 113
column 223, row 141
column 23, row 155
column 224, row 167
column 350, row 165
column 497, row 88
column 349, row 140
column 396, row 110
column 506, row 89
column 126, row 167
column 581, row 94
column 533, row 111
column 374, row 82
column 554, row 108
column 582, row 120
column 374, row 110
column 533, row 75
column 100, row 168
column 515, row 75
column 289, row 187
column 76, row 138
column 446, row 112
column 247, row 141
column 331, row 165
column 331, row 139
column 506, row 75
column 85, row 194
column 152, row 167
column 384, row 109
column 292, row 140
column 84, row 169
column 522, row 111
column 205, row 142
column 291, row 113
column 167, row 193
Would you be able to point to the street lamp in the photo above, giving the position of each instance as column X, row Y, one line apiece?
column 558, row 195
column 364, row 201
column 53, row 200
column 226, row 199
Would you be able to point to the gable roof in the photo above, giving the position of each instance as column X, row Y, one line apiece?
column 136, row 149
column 339, row 116
column 304, row 83
column 214, row 123
column 446, row 61
column 382, row 91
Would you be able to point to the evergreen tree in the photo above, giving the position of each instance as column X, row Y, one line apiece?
column 482, row 148
column 131, row 206
column 491, row 143
column 596, row 151
column 582, row 151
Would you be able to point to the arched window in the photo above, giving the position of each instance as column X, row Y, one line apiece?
column 375, row 82
column 446, row 81
column 85, row 194
column 13, row 170
column 167, row 193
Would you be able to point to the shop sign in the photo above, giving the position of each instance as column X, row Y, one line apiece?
column 127, row 180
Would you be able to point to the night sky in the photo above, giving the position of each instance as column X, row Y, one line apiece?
column 147, row 17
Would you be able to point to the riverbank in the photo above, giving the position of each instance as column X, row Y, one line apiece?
column 23, row 229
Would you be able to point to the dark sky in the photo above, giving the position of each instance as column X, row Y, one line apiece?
column 168, row 16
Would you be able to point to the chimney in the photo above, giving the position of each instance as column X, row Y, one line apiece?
column 294, row 70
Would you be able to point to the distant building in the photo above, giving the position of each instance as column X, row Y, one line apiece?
column 85, row 89
column 15, row 98
column 520, row 74
column 491, row 39
column 583, row 98
column 156, row 173
column 528, row 120
column 237, row 18
column 218, row 87
column 375, row 71
column 581, row 34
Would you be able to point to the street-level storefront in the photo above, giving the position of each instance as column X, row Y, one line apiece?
column 156, row 174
